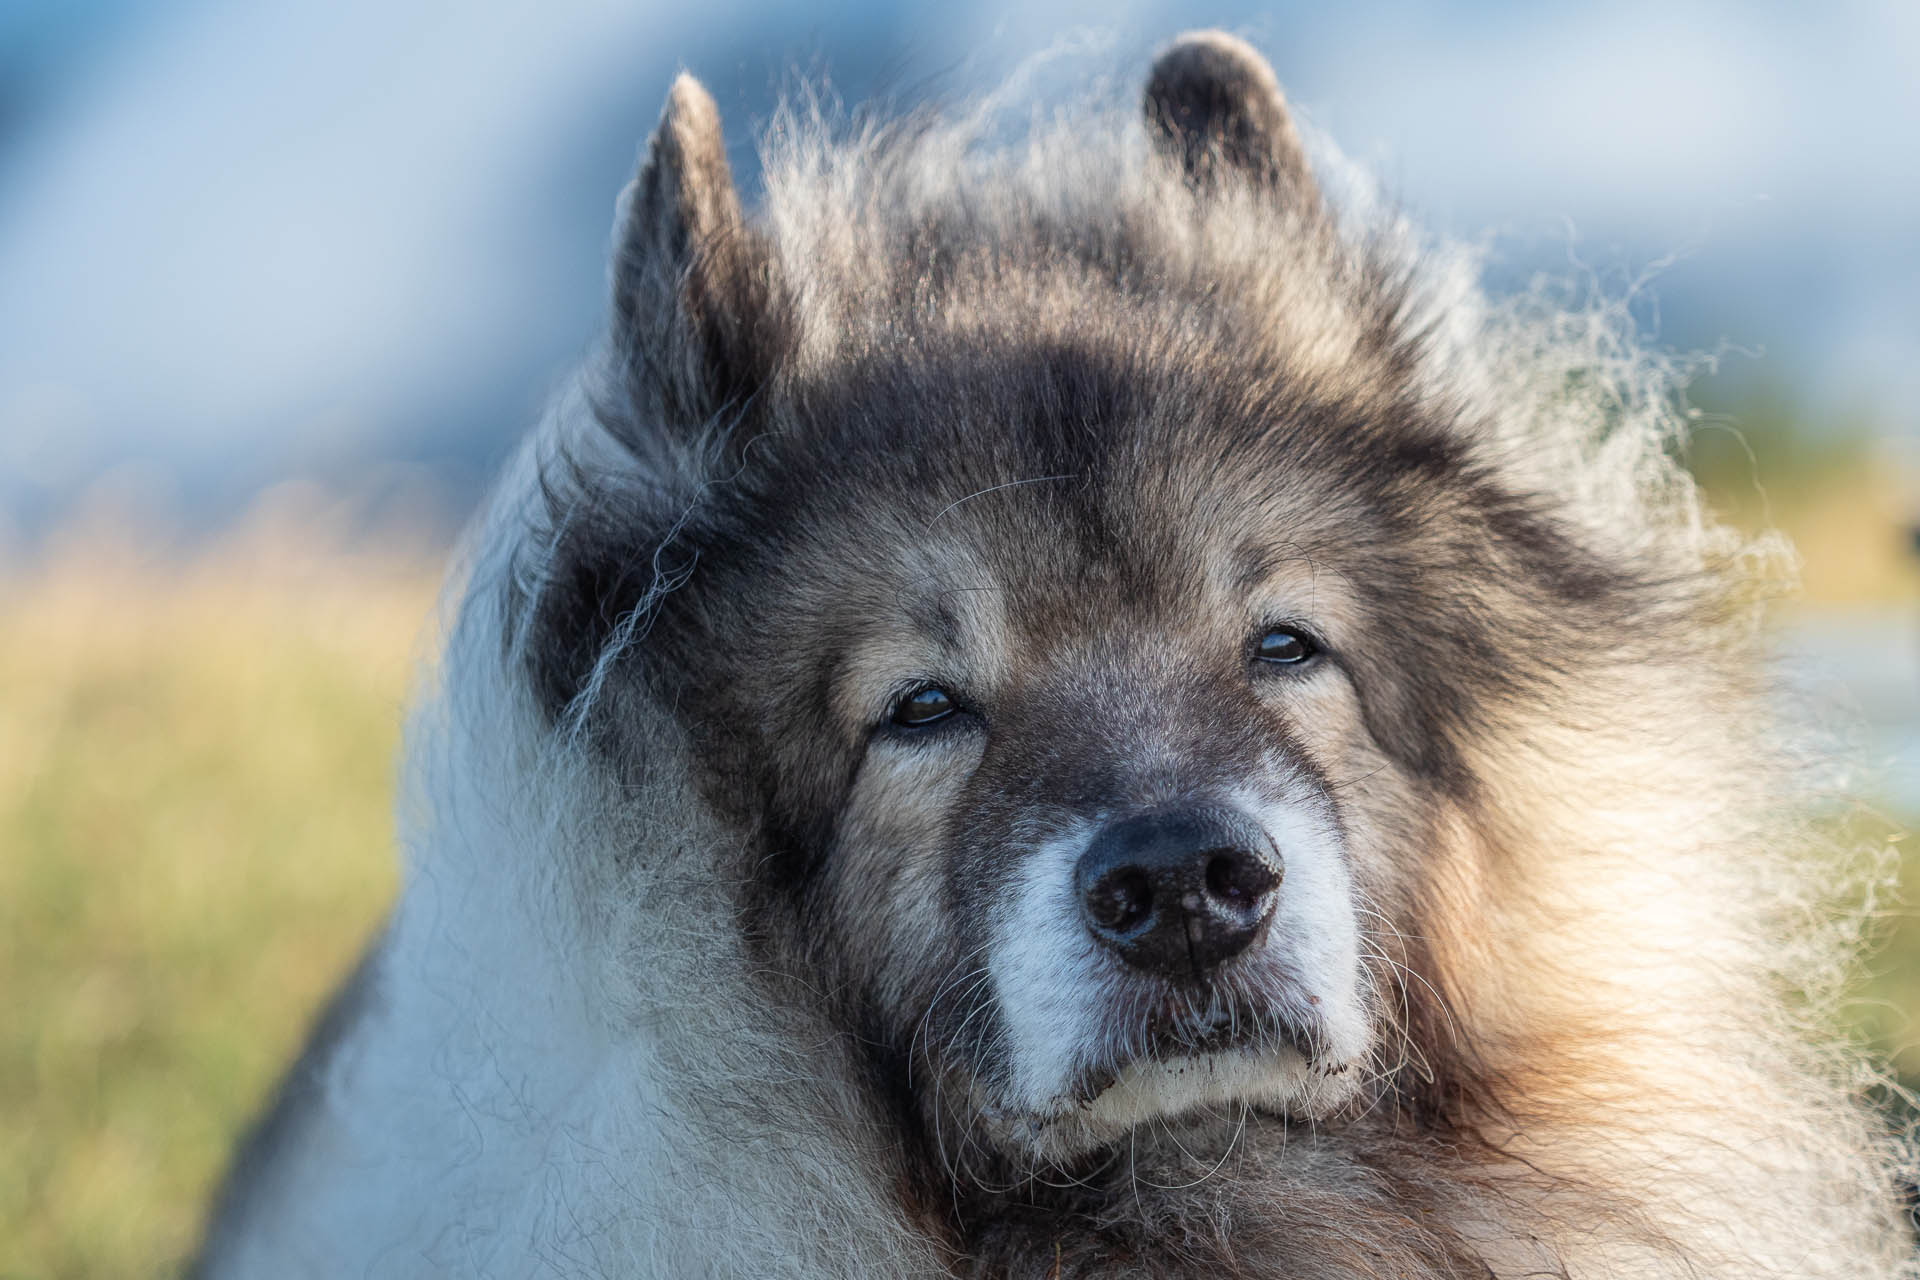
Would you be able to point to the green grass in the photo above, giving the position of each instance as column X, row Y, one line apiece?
column 1887, row 1010
column 195, row 839
column 1837, row 488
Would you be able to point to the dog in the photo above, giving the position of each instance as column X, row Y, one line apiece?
column 1077, row 706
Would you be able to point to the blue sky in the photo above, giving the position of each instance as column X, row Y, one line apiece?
column 240, row 242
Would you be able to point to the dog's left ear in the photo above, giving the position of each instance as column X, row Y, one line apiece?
column 1214, row 107
column 692, row 287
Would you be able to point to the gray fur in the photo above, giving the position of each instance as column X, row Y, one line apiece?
column 1212, row 101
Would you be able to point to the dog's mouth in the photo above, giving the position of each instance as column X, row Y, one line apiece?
column 1185, row 1026
column 1182, row 1052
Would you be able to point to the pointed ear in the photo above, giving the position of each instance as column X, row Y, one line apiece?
column 1214, row 107
column 691, row 280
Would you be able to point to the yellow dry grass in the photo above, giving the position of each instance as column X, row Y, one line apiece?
column 195, row 839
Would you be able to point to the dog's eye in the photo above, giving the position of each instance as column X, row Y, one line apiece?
column 1284, row 647
column 923, row 707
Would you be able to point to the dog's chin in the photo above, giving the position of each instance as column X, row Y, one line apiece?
column 1214, row 1086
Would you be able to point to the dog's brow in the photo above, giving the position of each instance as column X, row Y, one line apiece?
column 995, row 488
column 940, row 619
column 1259, row 564
column 930, row 605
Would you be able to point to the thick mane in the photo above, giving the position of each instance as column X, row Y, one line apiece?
column 1609, row 999
column 1654, row 868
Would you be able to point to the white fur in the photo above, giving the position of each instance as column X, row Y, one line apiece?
column 1046, row 971
column 1053, row 984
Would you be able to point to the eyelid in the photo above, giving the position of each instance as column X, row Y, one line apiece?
column 1311, row 636
column 948, row 705
column 901, row 690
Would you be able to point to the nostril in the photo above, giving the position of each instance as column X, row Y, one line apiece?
column 1222, row 882
column 1237, row 881
column 1121, row 900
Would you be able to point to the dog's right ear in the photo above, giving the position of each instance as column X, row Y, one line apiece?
column 1214, row 107
column 691, row 280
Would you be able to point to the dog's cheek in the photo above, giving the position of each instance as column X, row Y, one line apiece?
column 886, row 887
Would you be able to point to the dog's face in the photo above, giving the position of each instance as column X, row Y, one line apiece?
column 1070, row 620
column 1066, row 733
column 1090, row 854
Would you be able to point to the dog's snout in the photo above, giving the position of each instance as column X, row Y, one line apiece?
column 1181, row 892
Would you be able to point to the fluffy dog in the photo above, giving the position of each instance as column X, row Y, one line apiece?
column 1069, row 708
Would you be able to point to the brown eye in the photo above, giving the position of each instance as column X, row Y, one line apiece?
column 1284, row 647
column 923, row 707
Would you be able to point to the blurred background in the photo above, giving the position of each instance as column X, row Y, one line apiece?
column 281, row 284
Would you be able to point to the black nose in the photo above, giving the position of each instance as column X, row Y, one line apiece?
column 1179, row 892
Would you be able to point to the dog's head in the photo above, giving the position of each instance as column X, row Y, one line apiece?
column 1075, row 599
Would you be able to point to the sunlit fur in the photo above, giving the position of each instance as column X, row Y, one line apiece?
column 1602, row 940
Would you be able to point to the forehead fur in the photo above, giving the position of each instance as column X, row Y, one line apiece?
column 923, row 234
column 1144, row 373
